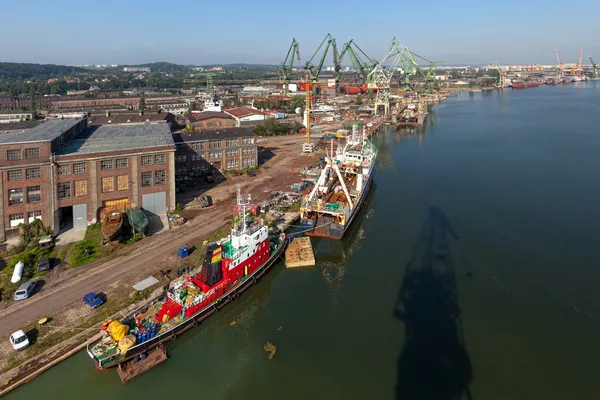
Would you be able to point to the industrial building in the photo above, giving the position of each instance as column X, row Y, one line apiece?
column 225, row 149
column 245, row 116
column 64, row 171
column 210, row 120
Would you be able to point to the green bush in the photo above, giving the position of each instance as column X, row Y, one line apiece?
column 139, row 295
column 135, row 238
column 178, row 209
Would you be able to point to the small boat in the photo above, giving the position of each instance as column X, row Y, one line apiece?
column 111, row 224
column 524, row 85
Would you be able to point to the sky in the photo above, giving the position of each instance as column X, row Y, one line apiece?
column 203, row 32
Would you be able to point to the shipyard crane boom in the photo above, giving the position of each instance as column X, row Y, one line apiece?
column 363, row 67
column 594, row 67
column 429, row 78
column 579, row 63
column 561, row 66
column 315, row 71
column 285, row 68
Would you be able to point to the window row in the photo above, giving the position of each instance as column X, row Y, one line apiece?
column 108, row 183
column 13, row 155
column 107, row 165
column 233, row 164
column 248, row 150
column 68, row 169
column 153, row 159
column 17, row 174
column 154, row 178
column 64, row 191
column 18, row 218
column 249, row 162
column 17, row 196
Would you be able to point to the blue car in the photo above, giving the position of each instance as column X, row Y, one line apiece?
column 92, row 300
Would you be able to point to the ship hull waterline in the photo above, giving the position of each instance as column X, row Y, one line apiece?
column 315, row 232
column 196, row 319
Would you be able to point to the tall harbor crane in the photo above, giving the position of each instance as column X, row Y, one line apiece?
column 429, row 77
column 561, row 66
column 501, row 79
column 579, row 73
column 595, row 67
column 285, row 68
column 315, row 71
column 363, row 66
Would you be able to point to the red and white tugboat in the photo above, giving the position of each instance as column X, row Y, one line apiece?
column 230, row 266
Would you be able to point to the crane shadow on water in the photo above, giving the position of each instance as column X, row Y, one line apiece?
column 433, row 363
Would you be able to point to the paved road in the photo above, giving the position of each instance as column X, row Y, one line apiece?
column 153, row 253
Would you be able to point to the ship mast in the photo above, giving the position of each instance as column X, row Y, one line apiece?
column 243, row 204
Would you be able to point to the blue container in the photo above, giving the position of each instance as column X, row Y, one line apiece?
column 139, row 338
column 183, row 252
column 144, row 337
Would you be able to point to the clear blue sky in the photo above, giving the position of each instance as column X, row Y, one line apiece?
column 212, row 32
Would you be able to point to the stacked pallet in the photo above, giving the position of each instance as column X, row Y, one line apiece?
column 299, row 253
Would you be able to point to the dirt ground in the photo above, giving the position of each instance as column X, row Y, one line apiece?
column 66, row 288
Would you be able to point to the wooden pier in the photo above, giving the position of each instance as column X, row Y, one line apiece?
column 299, row 253
column 131, row 369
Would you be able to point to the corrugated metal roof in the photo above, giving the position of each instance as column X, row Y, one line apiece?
column 44, row 132
column 110, row 138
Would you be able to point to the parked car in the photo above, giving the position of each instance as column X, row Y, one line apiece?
column 25, row 290
column 252, row 174
column 43, row 264
column 46, row 242
column 92, row 300
column 19, row 340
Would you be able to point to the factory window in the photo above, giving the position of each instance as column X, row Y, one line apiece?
column 196, row 157
column 16, row 219
column 159, row 159
column 231, row 142
column 122, row 163
column 232, row 152
column 80, row 188
column 32, row 173
column 12, row 155
column 160, row 177
column 146, row 160
column 146, row 179
column 79, row 168
column 31, row 215
column 15, row 175
column 63, row 190
column 15, row 196
column 64, row 169
column 106, row 165
column 34, row 194
column 32, row 153
column 215, row 144
column 122, row 182
column 197, row 146
column 181, row 158
column 108, row 184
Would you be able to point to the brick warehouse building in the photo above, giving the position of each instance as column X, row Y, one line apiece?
column 63, row 172
column 233, row 148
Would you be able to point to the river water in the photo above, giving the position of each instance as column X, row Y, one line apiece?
column 471, row 273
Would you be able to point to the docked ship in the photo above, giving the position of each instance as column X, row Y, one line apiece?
column 330, row 207
column 524, row 85
column 231, row 266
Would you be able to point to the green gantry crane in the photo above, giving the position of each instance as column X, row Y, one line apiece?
column 285, row 68
column 315, row 71
column 429, row 76
column 595, row 67
column 364, row 67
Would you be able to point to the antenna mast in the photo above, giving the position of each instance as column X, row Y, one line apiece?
column 243, row 204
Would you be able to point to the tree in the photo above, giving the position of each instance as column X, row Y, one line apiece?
column 271, row 127
column 359, row 100
column 296, row 126
column 32, row 94
column 142, row 105
column 298, row 102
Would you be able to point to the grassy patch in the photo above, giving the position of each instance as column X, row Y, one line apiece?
column 178, row 209
column 87, row 250
column 57, row 331
column 30, row 258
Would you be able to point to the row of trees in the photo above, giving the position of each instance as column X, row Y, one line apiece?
column 273, row 127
